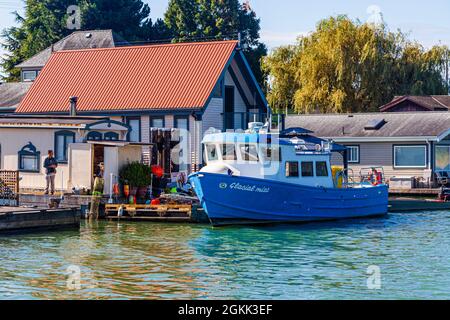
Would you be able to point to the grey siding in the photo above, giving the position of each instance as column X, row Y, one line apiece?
column 379, row 154
column 212, row 118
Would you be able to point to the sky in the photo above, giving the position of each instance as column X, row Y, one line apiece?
column 282, row 21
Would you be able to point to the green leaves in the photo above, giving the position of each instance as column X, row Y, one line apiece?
column 347, row 66
column 45, row 22
column 217, row 20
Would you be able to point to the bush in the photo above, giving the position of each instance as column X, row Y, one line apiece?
column 136, row 175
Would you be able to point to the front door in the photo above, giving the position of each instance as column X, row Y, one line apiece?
column 229, row 108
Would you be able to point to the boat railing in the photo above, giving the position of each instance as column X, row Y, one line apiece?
column 372, row 175
column 348, row 178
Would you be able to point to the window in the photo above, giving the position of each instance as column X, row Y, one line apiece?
column 135, row 132
column 217, row 93
column 353, row 154
column 307, row 169
column 94, row 136
column 157, row 122
column 249, row 152
column 62, row 141
column 271, row 153
column 111, row 136
column 29, row 76
column 442, row 158
column 321, row 169
column 228, row 152
column 410, row 156
column 29, row 158
column 291, row 169
column 211, row 152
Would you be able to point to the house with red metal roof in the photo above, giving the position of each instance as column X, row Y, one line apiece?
column 187, row 86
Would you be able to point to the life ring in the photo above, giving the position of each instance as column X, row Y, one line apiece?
column 375, row 177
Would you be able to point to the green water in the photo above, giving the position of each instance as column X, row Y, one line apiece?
column 165, row 261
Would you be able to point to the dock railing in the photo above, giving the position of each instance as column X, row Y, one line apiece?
column 9, row 188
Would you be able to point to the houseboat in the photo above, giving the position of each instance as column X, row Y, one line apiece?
column 257, row 177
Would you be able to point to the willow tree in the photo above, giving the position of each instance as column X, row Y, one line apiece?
column 347, row 66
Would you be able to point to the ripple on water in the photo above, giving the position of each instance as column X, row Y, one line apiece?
column 166, row 261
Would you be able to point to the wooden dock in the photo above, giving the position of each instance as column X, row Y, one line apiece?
column 411, row 205
column 415, row 192
column 164, row 213
column 25, row 219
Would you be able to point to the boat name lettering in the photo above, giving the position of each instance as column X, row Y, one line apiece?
column 249, row 188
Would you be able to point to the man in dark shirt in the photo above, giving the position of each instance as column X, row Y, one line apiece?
column 50, row 165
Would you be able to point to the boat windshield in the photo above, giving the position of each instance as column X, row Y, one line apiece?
column 211, row 152
column 249, row 152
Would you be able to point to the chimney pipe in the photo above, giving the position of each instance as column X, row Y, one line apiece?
column 73, row 106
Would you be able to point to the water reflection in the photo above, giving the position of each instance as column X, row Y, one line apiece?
column 176, row 261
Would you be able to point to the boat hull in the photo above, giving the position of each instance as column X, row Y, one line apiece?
column 230, row 200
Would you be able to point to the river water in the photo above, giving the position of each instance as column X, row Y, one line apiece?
column 402, row 256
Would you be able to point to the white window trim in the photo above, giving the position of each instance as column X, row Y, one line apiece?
column 411, row 167
column 357, row 153
column 29, row 71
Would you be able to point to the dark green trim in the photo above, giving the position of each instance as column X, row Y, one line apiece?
column 128, row 119
column 29, row 150
column 111, row 135
column 175, row 121
column 255, row 83
column 109, row 122
column 163, row 118
column 221, row 77
column 94, row 134
column 65, row 134
column 240, row 89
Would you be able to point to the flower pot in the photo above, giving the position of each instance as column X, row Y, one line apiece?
column 126, row 190
column 141, row 192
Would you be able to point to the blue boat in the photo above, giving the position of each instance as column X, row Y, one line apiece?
column 256, row 177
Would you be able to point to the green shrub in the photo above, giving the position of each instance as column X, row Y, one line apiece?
column 136, row 175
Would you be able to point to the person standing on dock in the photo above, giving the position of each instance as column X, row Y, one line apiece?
column 50, row 165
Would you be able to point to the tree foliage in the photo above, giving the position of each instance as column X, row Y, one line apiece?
column 347, row 66
column 45, row 22
column 217, row 19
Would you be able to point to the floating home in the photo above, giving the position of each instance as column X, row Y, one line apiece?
column 412, row 147
column 79, row 144
column 154, row 89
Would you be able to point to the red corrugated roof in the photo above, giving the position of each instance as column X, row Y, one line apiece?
column 172, row 76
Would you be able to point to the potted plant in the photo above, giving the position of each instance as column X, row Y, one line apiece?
column 138, row 176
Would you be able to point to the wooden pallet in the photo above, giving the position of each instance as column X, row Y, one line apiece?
column 156, row 212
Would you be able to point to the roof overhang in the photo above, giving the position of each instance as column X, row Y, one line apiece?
column 118, row 143
column 384, row 139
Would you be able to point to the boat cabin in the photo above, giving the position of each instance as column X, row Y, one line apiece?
column 303, row 160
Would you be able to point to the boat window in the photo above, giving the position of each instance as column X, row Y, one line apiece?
column 249, row 152
column 271, row 153
column 307, row 169
column 211, row 151
column 292, row 169
column 321, row 169
column 228, row 152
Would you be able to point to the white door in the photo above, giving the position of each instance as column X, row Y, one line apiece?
column 111, row 167
column 80, row 165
